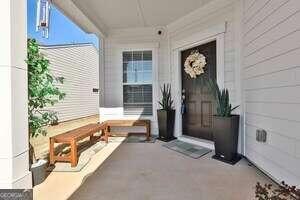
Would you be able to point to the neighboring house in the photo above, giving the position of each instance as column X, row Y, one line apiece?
column 79, row 65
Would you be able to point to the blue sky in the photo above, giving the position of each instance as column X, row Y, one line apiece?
column 62, row 30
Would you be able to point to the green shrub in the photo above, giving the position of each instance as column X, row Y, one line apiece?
column 42, row 91
column 166, row 102
column 224, row 107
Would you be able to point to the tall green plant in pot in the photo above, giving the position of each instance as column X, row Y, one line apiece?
column 42, row 92
column 226, row 126
column 166, row 115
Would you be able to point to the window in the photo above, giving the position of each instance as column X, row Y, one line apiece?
column 137, row 82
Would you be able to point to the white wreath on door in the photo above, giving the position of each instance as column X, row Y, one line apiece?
column 194, row 64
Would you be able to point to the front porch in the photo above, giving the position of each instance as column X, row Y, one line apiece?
column 150, row 171
column 61, row 185
column 255, row 56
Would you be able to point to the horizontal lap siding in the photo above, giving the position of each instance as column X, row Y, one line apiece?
column 229, row 56
column 271, row 84
column 79, row 65
column 113, row 76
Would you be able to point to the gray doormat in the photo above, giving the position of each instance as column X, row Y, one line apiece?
column 86, row 153
column 139, row 139
column 191, row 150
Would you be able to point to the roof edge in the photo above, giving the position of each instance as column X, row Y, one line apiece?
column 68, row 45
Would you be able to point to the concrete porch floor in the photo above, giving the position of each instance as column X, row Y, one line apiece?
column 151, row 172
column 61, row 185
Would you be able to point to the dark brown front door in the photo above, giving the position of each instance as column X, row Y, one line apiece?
column 199, row 102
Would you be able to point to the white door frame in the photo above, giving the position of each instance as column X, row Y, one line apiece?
column 215, row 33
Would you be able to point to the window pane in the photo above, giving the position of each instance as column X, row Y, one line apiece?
column 147, row 77
column 137, row 55
column 148, row 88
column 139, row 66
column 140, row 77
column 147, row 55
column 148, row 97
column 127, row 66
column 136, row 89
column 137, row 69
column 129, row 77
column 128, row 98
column 147, row 65
column 127, row 56
column 137, row 99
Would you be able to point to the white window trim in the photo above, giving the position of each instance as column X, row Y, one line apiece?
column 144, row 47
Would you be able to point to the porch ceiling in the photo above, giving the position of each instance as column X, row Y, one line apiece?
column 114, row 14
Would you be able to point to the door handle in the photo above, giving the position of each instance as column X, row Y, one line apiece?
column 183, row 98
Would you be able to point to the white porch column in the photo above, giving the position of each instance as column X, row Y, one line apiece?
column 101, row 71
column 14, row 166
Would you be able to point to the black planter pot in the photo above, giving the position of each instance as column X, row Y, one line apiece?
column 226, row 132
column 166, row 120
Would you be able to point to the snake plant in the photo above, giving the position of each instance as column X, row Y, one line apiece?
column 224, row 108
column 166, row 102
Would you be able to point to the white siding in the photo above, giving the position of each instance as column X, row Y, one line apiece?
column 79, row 65
column 271, row 78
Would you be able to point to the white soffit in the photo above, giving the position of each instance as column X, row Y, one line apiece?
column 81, row 19
column 116, row 14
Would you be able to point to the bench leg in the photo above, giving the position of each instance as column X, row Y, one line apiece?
column 74, row 158
column 105, row 133
column 106, row 137
column 92, row 139
column 51, row 151
column 148, row 132
column 107, row 129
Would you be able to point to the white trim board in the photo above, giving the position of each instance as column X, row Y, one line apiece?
column 201, row 14
column 138, row 46
column 197, row 37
